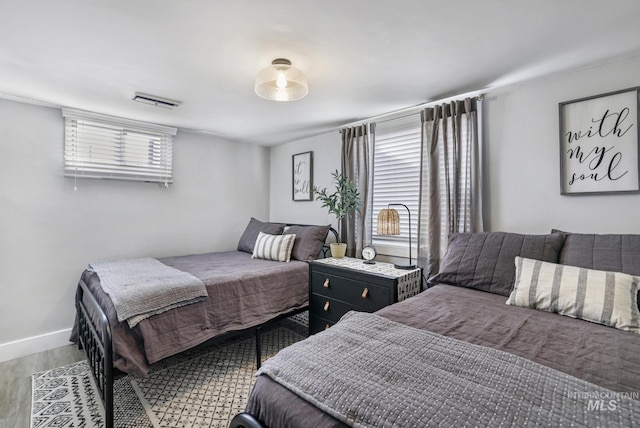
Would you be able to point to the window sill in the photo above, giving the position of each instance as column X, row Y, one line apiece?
column 395, row 251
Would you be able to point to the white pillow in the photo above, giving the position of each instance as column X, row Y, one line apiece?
column 273, row 247
column 609, row 298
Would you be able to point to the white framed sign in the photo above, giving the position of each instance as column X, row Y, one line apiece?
column 599, row 144
column 302, row 176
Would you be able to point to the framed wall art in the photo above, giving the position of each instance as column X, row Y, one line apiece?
column 599, row 144
column 302, row 176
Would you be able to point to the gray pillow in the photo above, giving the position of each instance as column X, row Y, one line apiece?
column 248, row 238
column 615, row 253
column 486, row 261
column 309, row 241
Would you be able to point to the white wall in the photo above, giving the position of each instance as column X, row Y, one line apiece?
column 521, row 160
column 48, row 232
column 326, row 159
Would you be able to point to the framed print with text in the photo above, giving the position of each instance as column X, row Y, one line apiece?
column 599, row 144
column 302, row 176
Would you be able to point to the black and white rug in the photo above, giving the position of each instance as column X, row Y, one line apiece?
column 65, row 397
column 202, row 387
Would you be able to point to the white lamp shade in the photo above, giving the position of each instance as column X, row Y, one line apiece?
column 281, row 82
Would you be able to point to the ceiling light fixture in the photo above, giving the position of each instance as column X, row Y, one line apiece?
column 281, row 82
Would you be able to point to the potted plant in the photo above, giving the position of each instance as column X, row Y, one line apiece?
column 340, row 203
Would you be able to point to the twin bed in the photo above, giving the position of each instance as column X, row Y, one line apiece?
column 458, row 355
column 244, row 289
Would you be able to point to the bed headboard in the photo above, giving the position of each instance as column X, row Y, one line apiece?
column 332, row 238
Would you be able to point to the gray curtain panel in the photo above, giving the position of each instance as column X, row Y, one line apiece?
column 451, row 178
column 357, row 165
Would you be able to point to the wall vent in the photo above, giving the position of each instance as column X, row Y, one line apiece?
column 156, row 101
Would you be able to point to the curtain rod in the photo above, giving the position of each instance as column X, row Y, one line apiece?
column 477, row 95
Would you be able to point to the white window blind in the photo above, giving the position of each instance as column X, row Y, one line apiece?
column 396, row 179
column 99, row 146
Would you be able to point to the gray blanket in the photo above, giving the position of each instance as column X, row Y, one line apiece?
column 370, row 371
column 140, row 288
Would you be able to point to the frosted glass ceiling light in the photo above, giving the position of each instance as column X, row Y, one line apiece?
column 281, row 82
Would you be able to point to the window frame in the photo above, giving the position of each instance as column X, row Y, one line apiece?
column 107, row 147
column 396, row 134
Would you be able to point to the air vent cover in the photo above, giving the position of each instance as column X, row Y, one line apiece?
column 156, row 101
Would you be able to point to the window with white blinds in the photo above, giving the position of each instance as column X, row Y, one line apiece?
column 99, row 146
column 396, row 179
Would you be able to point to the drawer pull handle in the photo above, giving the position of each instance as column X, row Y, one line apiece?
column 326, row 283
column 326, row 306
column 365, row 293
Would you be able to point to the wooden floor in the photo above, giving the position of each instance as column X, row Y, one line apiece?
column 15, row 382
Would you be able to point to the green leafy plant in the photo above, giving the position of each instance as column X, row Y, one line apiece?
column 343, row 201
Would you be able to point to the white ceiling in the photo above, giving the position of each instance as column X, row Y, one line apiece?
column 362, row 57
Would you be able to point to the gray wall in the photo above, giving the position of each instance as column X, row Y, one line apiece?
column 521, row 159
column 326, row 159
column 49, row 232
column 523, row 156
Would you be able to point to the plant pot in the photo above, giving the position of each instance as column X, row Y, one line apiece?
column 338, row 250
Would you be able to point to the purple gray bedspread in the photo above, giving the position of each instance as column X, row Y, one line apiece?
column 242, row 293
column 598, row 354
column 396, row 375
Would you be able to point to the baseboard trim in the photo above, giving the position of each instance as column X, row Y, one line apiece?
column 32, row 345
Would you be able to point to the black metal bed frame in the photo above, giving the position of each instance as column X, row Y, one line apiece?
column 245, row 420
column 97, row 346
column 96, row 340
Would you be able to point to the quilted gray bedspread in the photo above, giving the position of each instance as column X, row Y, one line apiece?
column 140, row 288
column 370, row 371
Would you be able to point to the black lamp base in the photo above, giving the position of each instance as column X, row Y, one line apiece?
column 369, row 262
column 405, row 267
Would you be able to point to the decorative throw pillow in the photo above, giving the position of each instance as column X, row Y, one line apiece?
column 273, row 247
column 248, row 238
column 309, row 241
column 603, row 297
column 484, row 260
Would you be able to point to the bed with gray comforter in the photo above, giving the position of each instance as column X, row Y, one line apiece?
column 190, row 299
column 242, row 293
column 458, row 355
column 132, row 313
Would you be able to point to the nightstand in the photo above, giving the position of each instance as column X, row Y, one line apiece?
column 337, row 286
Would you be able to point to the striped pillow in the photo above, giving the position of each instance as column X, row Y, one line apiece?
column 273, row 247
column 608, row 298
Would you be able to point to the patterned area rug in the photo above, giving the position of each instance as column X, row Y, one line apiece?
column 206, row 386
column 65, row 397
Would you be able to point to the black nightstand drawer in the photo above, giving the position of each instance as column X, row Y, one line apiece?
column 361, row 295
column 329, row 309
column 317, row 324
